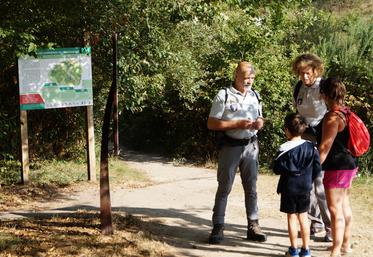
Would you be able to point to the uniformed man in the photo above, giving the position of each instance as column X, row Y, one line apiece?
column 237, row 112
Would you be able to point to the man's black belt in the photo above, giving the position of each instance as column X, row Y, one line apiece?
column 229, row 141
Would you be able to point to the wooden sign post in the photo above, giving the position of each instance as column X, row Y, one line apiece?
column 90, row 139
column 24, row 148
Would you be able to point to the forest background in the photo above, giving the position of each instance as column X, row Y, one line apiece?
column 173, row 57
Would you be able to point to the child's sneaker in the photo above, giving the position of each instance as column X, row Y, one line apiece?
column 292, row 252
column 304, row 252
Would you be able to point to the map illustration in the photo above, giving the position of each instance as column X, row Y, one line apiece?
column 67, row 73
column 55, row 79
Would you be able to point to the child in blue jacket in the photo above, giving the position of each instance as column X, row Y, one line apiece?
column 298, row 163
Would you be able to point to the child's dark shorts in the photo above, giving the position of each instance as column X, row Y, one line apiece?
column 295, row 203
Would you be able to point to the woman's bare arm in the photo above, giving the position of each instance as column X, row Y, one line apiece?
column 332, row 124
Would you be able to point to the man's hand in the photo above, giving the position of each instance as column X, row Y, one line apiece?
column 216, row 124
column 258, row 124
column 245, row 124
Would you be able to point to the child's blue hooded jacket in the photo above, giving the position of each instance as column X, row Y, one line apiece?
column 298, row 163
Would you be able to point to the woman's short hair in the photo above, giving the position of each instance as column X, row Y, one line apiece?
column 334, row 89
column 308, row 61
column 295, row 123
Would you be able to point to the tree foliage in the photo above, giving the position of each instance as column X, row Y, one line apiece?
column 173, row 58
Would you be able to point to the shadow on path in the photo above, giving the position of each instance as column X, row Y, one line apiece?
column 183, row 230
column 138, row 157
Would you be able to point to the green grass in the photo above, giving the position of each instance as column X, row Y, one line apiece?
column 8, row 240
column 64, row 173
column 120, row 172
column 61, row 173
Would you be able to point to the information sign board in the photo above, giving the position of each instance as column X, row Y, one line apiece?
column 55, row 78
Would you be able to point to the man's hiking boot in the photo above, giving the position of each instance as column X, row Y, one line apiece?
column 254, row 233
column 217, row 234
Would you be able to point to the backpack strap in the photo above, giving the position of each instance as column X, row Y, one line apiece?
column 298, row 86
column 345, row 116
column 342, row 117
column 259, row 101
column 296, row 90
column 226, row 95
column 256, row 94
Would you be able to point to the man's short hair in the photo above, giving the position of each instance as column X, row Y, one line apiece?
column 244, row 67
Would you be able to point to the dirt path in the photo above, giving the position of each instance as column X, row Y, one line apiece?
column 183, row 199
column 180, row 201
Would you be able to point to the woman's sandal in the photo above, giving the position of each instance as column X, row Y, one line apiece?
column 346, row 252
column 343, row 252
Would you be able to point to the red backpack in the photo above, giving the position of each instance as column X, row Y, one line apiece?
column 359, row 141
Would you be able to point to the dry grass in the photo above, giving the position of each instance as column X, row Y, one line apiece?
column 17, row 196
column 362, row 201
column 346, row 7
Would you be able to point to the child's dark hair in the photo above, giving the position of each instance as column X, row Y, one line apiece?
column 295, row 123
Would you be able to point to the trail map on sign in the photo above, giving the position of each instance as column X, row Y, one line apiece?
column 55, row 78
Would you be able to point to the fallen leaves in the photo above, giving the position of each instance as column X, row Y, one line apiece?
column 77, row 234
